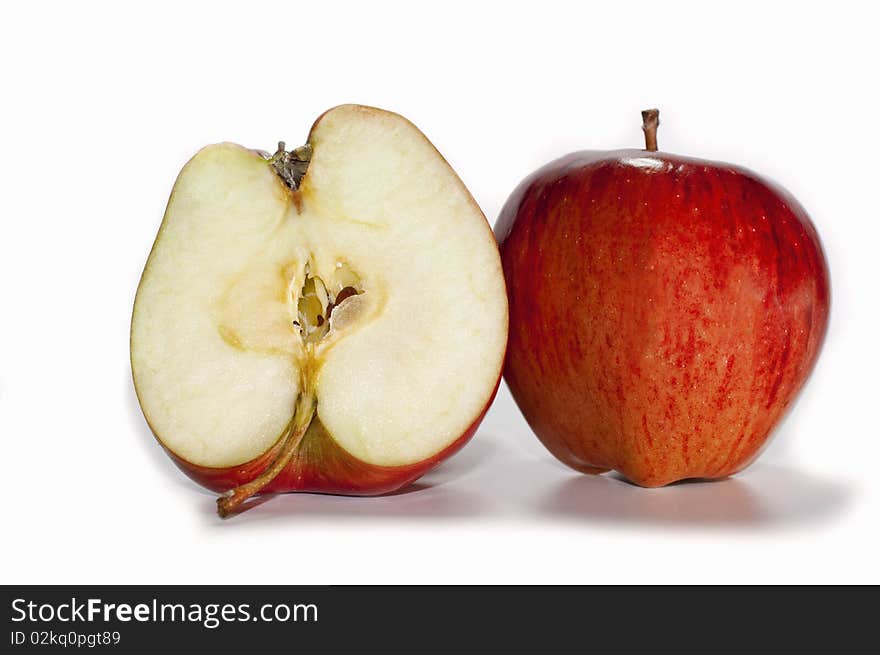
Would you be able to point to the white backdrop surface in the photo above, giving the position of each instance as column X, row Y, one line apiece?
column 102, row 105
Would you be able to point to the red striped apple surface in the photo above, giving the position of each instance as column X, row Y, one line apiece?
column 665, row 311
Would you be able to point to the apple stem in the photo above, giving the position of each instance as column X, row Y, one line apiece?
column 650, row 122
column 232, row 499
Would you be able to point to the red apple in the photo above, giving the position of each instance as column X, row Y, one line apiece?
column 664, row 311
column 331, row 319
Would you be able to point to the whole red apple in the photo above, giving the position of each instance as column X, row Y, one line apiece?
column 664, row 311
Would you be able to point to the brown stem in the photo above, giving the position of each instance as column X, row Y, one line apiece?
column 232, row 499
column 650, row 122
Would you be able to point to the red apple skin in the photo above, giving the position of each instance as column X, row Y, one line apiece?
column 664, row 311
column 320, row 465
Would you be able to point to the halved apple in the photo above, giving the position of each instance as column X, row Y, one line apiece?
column 332, row 319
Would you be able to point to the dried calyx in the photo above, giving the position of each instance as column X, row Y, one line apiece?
column 291, row 166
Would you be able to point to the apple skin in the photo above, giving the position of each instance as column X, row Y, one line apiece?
column 664, row 311
column 320, row 465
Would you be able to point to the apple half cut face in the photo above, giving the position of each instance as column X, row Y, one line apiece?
column 332, row 319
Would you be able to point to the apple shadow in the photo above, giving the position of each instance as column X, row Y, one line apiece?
column 414, row 503
column 763, row 497
column 429, row 497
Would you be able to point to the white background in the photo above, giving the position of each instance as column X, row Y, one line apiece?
column 103, row 104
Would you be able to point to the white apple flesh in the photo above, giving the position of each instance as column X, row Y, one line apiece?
column 341, row 331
